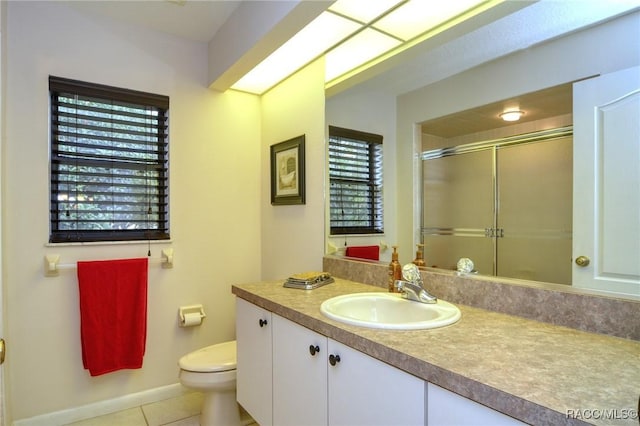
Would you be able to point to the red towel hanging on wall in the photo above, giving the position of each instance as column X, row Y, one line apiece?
column 113, row 314
column 363, row 252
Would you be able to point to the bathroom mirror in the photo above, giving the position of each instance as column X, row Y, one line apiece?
column 555, row 200
column 456, row 96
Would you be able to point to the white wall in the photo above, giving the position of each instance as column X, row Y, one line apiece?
column 215, row 192
column 598, row 50
column 373, row 112
column 293, row 235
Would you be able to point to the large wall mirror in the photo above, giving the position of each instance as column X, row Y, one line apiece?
column 553, row 198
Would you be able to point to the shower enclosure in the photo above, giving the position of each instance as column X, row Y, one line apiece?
column 506, row 204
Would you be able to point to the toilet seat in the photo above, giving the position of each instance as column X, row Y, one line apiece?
column 211, row 359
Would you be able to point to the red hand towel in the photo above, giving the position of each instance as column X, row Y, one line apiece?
column 364, row 252
column 113, row 314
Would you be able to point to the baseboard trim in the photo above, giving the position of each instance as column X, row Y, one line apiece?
column 70, row 415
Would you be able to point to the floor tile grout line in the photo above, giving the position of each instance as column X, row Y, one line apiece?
column 144, row 416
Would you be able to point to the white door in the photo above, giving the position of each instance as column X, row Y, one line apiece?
column 606, row 232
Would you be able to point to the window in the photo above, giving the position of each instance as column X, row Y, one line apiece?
column 355, row 178
column 109, row 163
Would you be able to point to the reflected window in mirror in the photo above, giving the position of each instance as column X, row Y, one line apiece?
column 355, row 180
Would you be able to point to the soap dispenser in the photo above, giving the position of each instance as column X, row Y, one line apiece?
column 395, row 270
column 419, row 260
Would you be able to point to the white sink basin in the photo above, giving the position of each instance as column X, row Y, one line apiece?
column 389, row 311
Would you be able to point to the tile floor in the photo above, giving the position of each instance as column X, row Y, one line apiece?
column 179, row 411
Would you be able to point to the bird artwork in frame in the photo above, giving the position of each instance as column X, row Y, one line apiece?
column 287, row 172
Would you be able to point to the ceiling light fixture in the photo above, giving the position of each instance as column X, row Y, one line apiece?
column 513, row 115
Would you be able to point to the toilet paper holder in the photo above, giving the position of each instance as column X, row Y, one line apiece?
column 187, row 314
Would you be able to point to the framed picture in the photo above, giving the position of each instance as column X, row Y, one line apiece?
column 287, row 172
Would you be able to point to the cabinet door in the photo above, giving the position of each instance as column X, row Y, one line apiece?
column 254, row 373
column 299, row 375
column 446, row 408
column 365, row 391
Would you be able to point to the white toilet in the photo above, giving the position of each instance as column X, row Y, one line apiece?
column 212, row 371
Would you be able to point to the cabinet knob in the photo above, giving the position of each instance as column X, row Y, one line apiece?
column 314, row 349
column 334, row 359
column 262, row 322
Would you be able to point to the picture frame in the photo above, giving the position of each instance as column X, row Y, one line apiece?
column 288, row 172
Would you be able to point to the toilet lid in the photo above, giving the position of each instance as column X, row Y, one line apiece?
column 220, row 357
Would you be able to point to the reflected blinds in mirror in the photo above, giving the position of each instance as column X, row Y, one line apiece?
column 355, row 178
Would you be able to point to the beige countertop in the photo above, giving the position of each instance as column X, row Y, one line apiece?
column 536, row 372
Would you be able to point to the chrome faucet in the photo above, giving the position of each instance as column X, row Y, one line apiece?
column 411, row 286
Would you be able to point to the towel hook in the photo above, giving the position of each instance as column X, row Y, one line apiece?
column 51, row 265
column 167, row 258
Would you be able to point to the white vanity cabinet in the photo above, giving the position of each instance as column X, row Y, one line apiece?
column 307, row 389
column 450, row 409
column 289, row 375
column 318, row 381
column 365, row 391
column 254, row 359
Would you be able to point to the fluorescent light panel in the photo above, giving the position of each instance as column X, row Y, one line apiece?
column 351, row 43
column 418, row 16
column 363, row 10
column 309, row 43
column 363, row 47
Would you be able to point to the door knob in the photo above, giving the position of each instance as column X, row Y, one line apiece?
column 262, row 322
column 582, row 261
column 2, row 351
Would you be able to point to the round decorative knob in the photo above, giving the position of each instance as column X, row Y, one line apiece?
column 314, row 349
column 582, row 261
column 262, row 322
column 334, row 359
column 465, row 265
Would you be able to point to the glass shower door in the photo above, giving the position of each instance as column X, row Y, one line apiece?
column 534, row 214
column 458, row 208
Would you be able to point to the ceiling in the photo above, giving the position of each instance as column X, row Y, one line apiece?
column 538, row 105
column 430, row 61
column 196, row 20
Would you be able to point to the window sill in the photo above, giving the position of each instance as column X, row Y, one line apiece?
column 108, row 243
